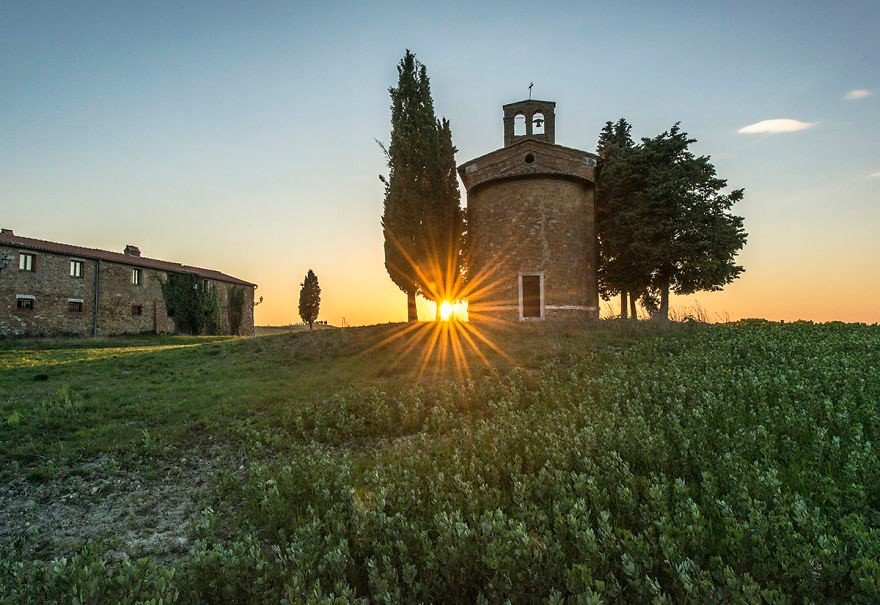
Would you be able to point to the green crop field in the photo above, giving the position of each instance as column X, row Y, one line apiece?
column 535, row 463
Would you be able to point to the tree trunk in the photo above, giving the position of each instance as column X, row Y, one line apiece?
column 633, row 311
column 663, row 312
column 411, row 312
column 310, row 325
column 623, row 307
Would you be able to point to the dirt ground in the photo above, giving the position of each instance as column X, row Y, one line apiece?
column 135, row 507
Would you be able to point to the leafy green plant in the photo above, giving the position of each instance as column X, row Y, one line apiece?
column 235, row 309
column 193, row 303
column 733, row 463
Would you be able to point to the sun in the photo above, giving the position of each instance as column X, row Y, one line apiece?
column 446, row 310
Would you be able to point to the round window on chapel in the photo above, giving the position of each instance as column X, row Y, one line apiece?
column 529, row 158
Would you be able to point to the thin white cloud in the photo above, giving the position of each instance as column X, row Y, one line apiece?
column 856, row 94
column 874, row 175
column 775, row 126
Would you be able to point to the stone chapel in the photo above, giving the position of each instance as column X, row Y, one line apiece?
column 532, row 223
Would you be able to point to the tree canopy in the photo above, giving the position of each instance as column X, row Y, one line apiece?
column 422, row 222
column 309, row 299
column 665, row 222
column 619, row 270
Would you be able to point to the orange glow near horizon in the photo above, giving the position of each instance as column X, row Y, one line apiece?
column 455, row 340
column 446, row 311
column 786, row 289
column 437, row 344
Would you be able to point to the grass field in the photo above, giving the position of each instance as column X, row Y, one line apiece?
column 538, row 463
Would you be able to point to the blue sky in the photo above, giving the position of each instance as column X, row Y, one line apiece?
column 241, row 136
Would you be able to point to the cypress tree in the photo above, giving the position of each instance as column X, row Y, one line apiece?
column 445, row 226
column 421, row 222
column 309, row 299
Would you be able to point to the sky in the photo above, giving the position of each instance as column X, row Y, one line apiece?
column 242, row 137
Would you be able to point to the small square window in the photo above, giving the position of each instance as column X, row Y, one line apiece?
column 76, row 268
column 75, row 306
column 24, row 303
column 136, row 277
column 26, row 261
column 137, row 310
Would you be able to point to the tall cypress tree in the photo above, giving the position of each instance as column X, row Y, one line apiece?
column 421, row 222
column 445, row 225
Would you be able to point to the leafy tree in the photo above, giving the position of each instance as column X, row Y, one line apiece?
column 694, row 238
column 309, row 299
column 421, row 221
column 667, row 225
column 192, row 302
column 235, row 309
column 619, row 270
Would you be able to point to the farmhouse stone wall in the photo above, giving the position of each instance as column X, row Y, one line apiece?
column 52, row 286
column 118, row 296
column 114, row 310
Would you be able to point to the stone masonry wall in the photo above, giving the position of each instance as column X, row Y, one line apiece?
column 536, row 224
column 515, row 160
column 118, row 296
column 52, row 286
column 247, row 320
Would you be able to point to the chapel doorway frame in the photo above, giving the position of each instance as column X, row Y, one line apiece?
column 531, row 291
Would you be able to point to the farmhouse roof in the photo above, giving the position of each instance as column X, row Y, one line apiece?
column 8, row 238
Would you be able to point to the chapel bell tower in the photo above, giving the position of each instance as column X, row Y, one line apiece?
column 530, row 120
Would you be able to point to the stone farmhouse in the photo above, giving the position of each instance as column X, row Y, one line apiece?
column 532, row 222
column 47, row 288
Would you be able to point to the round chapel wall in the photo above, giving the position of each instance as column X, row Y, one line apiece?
column 532, row 254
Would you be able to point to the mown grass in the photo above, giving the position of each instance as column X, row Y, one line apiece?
column 731, row 463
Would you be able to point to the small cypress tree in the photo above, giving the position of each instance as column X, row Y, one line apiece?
column 309, row 299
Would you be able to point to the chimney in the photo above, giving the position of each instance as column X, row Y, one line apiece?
column 132, row 250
